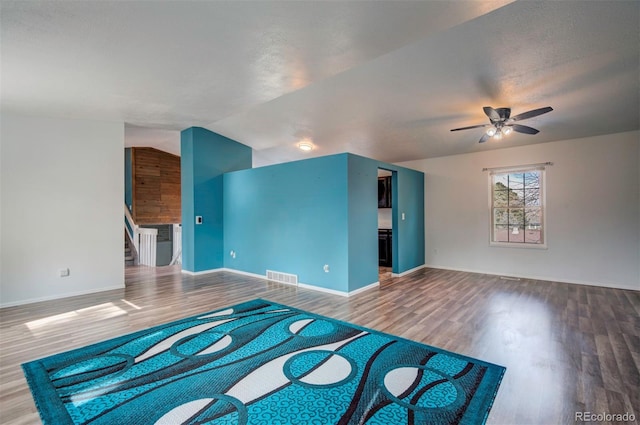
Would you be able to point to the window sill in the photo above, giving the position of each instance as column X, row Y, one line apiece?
column 518, row 245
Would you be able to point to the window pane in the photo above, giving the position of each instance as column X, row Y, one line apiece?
column 533, row 236
column 500, row 216
column 501, row 233
column 516, row 198
column 500, row 225
column 500, row 198
column 533, row 225
column 516, row 217
column 500, row 180
column 516, row 181
column 516, row 233
column 532, row 198
column 532, row 180
column 533, row 218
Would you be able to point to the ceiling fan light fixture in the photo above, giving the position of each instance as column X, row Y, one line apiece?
column 305, row 146
column 501, row 122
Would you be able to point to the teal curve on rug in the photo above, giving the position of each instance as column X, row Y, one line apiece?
column 259, row 363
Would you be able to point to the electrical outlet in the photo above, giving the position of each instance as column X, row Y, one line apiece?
column 326, row 268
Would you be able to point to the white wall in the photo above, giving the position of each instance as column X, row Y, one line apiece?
column 62, row 185
column 593, row 210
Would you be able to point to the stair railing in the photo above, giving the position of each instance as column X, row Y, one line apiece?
column 144, row 240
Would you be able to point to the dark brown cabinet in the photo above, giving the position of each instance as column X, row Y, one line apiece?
column 384, row 192
column 384, row 248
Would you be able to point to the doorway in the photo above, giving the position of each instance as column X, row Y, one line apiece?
column 386, row 180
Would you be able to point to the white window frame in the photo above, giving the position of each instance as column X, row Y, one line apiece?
column 543, row 207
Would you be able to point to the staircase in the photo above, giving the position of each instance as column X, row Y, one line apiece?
column 129, row 259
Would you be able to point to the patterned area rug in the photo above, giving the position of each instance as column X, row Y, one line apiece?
column 261, row 363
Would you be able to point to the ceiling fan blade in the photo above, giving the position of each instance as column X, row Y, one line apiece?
column 524, row 129
column 484, row 138
column 470, row 127
column 532, row 113
column 491, row 113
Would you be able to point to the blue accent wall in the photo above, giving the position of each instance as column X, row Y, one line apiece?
column 408, row 194
column 187, row 205
column 292, row 218
column 205, row 157
column 128, row 179
column 408, row 234
column 363, row 221
column 298, row 216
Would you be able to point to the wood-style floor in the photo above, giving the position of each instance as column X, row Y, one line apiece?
column 567, row 348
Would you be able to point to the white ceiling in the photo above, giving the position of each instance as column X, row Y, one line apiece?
column 383, row 79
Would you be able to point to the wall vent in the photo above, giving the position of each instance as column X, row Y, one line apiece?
column 288, row 278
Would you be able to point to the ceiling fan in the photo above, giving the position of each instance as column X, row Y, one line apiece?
column 502, row 122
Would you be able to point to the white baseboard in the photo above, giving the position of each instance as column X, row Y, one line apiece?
column 305, row 285
column 364, row 288
column 406, row 272
column 535, row 277
column 190, row 273
column 59, row 296
column 325, row 290
column 256, row 275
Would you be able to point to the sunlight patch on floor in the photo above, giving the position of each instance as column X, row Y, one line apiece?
column 97, row 312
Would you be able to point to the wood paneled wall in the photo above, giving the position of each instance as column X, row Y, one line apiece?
column 156, row 186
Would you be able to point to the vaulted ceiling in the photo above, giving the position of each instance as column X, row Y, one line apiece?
column 383, row 79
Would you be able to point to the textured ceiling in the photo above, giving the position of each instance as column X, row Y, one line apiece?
column 383, row 79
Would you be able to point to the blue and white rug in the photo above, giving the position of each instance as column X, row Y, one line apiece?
column 261, row 363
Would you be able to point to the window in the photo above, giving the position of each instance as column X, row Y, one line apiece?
column 517, row 208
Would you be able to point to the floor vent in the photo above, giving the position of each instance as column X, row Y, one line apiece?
column 288, row 278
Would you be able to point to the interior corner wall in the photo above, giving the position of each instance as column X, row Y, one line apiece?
column 61, row 195
column 290, row 218
column 408, row 238
column 204, row 157
column 592, row 212
column 363, row 221
column 410, row 192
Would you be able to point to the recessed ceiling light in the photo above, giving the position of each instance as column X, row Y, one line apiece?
column 305, row 146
